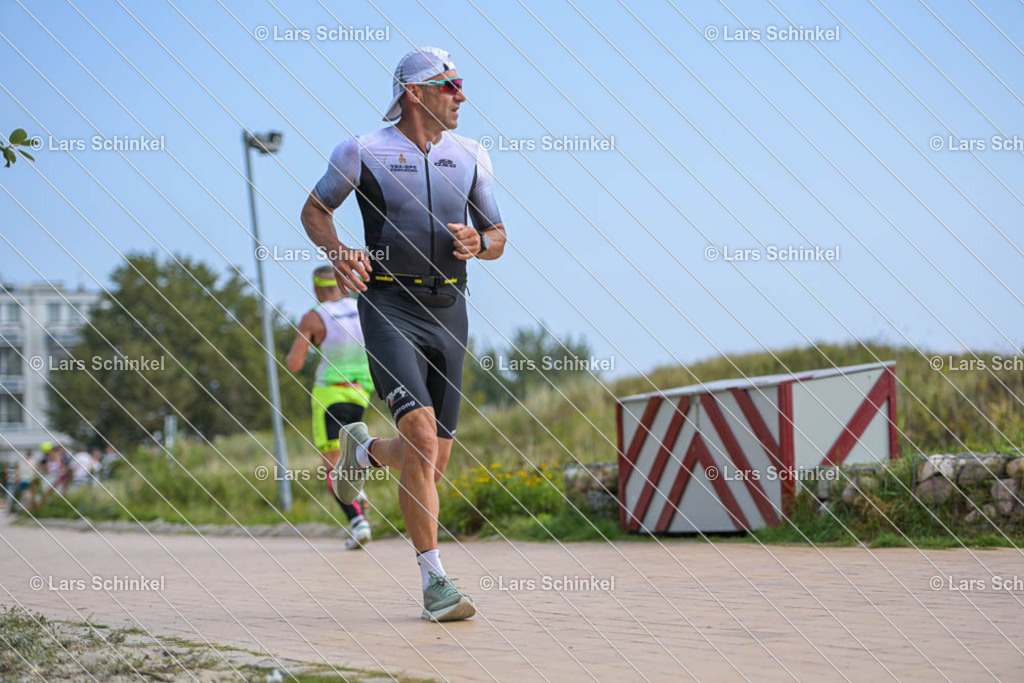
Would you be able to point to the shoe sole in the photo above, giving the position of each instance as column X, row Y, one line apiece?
column 347, row 485
column 463, row 609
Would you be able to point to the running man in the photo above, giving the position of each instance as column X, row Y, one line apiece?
column 342, row 388
column 416, row 183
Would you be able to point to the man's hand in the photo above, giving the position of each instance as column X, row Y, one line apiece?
column 467, row 241
column 353, row 266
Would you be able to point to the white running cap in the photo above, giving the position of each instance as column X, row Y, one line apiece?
column 416, row 66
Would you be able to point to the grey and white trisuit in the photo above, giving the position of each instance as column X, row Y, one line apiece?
column 415, row 336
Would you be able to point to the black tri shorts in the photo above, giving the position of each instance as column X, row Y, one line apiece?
column 416, row 351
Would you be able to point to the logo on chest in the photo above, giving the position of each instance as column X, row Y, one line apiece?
column 447, row 163
column 403, row 166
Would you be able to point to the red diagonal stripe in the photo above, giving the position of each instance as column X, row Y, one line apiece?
column 622, row 466
column 787, row 446
column 628, row 459
column 894, row 442
column 760, row 427
column 871, row 404
column 660, row 460
column 732, row 447
column 698, row 452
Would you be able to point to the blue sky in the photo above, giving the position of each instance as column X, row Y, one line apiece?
column 608, row 244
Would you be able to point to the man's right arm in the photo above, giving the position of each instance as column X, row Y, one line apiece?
column 296, row 357
column 318, row 220
column 341, row 177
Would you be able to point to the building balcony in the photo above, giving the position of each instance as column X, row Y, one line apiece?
column 12, row 384
column 11, row 334
column 66, row 338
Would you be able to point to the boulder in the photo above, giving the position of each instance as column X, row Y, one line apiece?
column 861, row 482
column 600, row 475
column 943, row 464
column 935, row 490
column 826, row 482
column 603, row 504
column 1014, row 468
column 593, row 487
column 980, row 469
column 850, row 494
column 1006, row 494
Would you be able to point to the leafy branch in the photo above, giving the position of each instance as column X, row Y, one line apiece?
column 18, row 139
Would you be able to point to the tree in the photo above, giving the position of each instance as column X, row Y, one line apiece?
column 15, row 141
column 158, row 316
column 535, row 359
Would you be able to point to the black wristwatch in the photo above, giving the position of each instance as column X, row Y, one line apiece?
column 484, row 244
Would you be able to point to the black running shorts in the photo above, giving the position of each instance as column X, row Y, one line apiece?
column 416, row 352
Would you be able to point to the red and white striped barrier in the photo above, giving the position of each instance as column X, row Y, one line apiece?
column 726, row 455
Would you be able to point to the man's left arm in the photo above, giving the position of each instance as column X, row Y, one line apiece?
column 495, row 242
column 469, row 241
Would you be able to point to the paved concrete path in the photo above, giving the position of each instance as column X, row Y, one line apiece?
column 683, row 610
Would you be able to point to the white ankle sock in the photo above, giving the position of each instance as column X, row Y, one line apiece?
column 363, row 452
column 430, row 561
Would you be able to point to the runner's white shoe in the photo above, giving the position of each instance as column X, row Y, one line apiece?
column 359, row 535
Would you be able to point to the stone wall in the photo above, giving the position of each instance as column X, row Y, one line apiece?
column 593, row 488
column 976, row 485
column 986, row 485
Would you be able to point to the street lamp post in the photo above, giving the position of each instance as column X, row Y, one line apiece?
column 268, row 143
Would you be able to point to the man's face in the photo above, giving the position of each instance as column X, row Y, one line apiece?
column 444, row 108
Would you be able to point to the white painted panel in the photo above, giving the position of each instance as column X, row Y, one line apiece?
column 701, row 507
column 645, row 459
column 821, row 410
column 672, row 467
column 873, row 445
column 766, row 400
column 751, row 447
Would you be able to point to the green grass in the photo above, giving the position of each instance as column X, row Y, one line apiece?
column 551, row 430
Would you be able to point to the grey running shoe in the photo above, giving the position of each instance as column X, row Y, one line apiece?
column 348, row 475
column 442, row 601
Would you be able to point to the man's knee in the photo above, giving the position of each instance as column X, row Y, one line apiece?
column 444, row 452
column 421, row 443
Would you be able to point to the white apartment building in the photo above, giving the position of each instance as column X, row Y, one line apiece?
column 35, row 320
